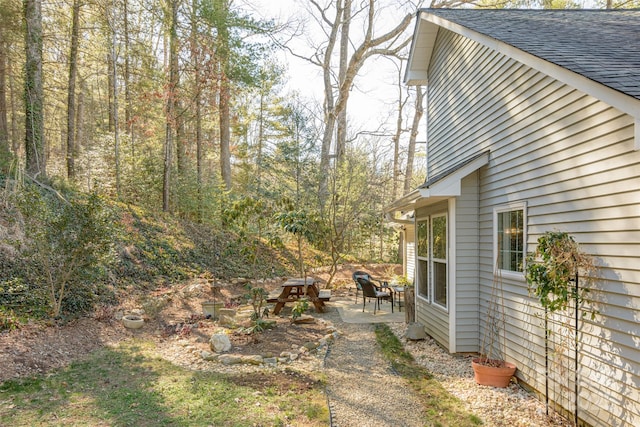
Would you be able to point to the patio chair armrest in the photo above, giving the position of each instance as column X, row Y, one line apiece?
column 383, row 283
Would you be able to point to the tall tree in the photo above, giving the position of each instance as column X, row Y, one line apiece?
column 9, row 31
column 4, row 124
column 238, row 58
column 341, row 132
column 331, row 17
column 221, row 10
column 115, row 122
column 127, row 71
column 415, row 127
column 15, row 140
column 36, row 162
column 171, row 16
column 268, row 105
column 71, row 91
column 196, row 59
column 402, row 101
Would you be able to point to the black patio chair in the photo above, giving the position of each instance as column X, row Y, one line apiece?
column 367, row 276
column 355, row 276
column 369, row 290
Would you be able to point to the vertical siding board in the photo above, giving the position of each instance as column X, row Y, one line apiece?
column 571, row 158
column 435, row 321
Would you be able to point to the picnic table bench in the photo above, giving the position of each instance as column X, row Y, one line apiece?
column 295, row 289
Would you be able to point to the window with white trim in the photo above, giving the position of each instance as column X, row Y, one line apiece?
column 431, row 236
column 422, row 231
column 439, row 259
column 510, row 238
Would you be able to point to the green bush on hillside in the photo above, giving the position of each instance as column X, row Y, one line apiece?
column 68, row 242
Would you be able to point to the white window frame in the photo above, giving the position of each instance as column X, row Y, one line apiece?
column 420, row 258
column 429, row 259
column 518, row 275
column 445, row 261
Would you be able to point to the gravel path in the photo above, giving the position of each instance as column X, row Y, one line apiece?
column 364, row 391
column 361, row 383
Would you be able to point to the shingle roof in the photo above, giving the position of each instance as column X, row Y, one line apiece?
column 602, row 45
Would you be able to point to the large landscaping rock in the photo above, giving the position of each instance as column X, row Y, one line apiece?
column 220, row 343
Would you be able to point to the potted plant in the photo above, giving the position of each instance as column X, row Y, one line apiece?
column 552, row 271
column 489, row 367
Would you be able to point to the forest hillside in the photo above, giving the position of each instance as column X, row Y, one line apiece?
column 64, row 253
column 142, row 143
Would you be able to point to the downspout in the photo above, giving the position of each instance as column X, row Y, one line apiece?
column 575, row 355
column 427, row 131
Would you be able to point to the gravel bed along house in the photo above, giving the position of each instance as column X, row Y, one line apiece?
column 511, row 406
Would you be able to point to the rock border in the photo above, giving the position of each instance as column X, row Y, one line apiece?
column 285, row 357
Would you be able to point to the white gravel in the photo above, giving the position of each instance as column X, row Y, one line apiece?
column 364, row 391
column 511, row 406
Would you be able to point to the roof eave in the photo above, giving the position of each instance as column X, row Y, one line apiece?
column 444, row 187
column 424, row 37
column 404, row 203
column 622, row 101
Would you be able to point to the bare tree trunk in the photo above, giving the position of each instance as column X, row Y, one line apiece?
column 110, row 76
column 181, row 141
column 195, row 59
column 4, row 124
column 386, row 44
column 396, row 139
column 114, row 121
column 225, row 92
column 127, row 75
column 71, row 92
column 168, row 159
column 199, row 150
column 171, row 103
column 329, row 101
column 15, row 139
column 260, row 140
column 415, row 128
column 341, row 132
column 325, row 157
column 225, row 134
column 36, row 162
column 80, row 117
column 128, row 108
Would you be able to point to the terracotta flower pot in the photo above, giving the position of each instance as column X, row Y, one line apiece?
column 494, row 376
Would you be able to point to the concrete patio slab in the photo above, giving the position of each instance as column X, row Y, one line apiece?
column 351, row 312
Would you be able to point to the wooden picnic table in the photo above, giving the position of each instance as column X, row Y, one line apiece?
column 296, row 288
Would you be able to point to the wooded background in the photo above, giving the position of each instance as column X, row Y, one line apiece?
column 181, row 106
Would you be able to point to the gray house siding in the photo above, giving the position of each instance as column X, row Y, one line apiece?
column 467, row 266
column 571, row 159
